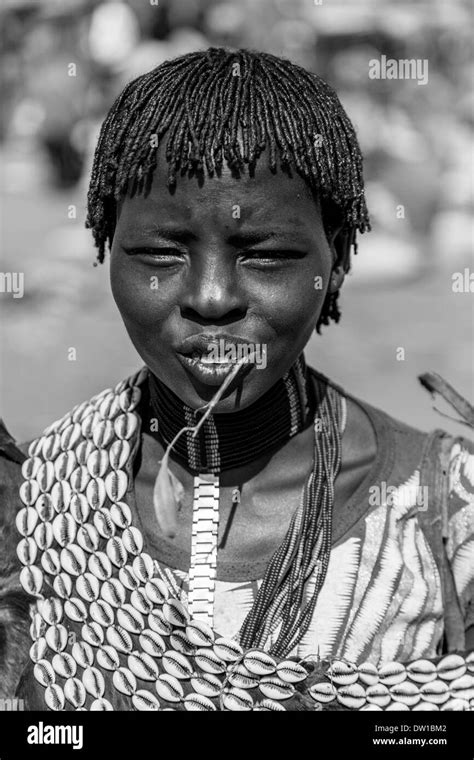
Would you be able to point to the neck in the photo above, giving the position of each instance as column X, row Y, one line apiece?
column 229, row 441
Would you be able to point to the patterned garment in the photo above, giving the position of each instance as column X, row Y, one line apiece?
column 382, row 597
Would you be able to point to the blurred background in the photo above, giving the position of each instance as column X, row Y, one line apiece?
column 64, row 61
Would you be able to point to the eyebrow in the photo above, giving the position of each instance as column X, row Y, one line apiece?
column 236, row 239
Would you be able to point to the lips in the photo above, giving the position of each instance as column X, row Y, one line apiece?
column 193, row 352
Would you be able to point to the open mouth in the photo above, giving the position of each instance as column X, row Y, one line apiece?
column 209, row 358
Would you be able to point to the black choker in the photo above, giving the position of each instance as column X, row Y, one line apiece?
column 226, row 441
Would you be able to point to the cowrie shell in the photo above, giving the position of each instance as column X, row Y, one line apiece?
column 157, row 591
column 102, row 705
column 79, row 479
column 152, row 643
column 44, row 507
column 100, row 565
column 421, row 671
column 51, row 446
column 70, row 436
column 143, row 666
column 93, row 634
column 37, row 627
column 56, row 637
column 470, row 661
column 88, row 586
column 45, row 476
column 425, row 707
column 50, row 562
column 44, row 673
column 94, row 682
column 81, row 411
column 103, row 433
column 54, row 697
column 88, row 423
column 125, row 425
column 73, row 560
column 64, row 529
column 97, row 463
column 51, row 610
column 116, row 552
column 102, row 612
column 180, row 642
column 128, row 578
column 209, row 662
column 62, row 585
column 44, row 535
column 228, row 650
column 463, row 687
column 30, row 467
column 116, row 484
column 140, row 601
column 157, row 622
column 274, row 688
column 26, row 520
column 177, row 665
column 113, row 592
column 108, row 405
column 371, row 708
column 144, row 700
column 206, row 685
column 61, row 495
column 26, row 551
column 237, row 700
column 451, row 667
column 242, row 678
column 198, row 703
column 342, row 673
column 368, row 674
column 436, row 692
column 31, row 579
column 38, row 649
column 75, row 692
column 88, row 537
column 351, row 696
column 175, row 613
column 104, row 523
column 65, row 464
column 124, row 681
column 169, row 688
column 107, row 657
column 119, row 454
column 269, row 705
column 143, row 567
column 119, row 638
column 75, row 609
column 95, row 493
column 29, row 492
column 291, row 672
column 259, row 663
column 83, row 653
column 378, row 694
column 130, row 619
column 456, row 704
column 121, row 514
column 199, row 634
column 391, row 673
column 406, row 692
column 64, row 665
column 132, row 540
column 324, row 691
column 129, row 399
column 35, row 447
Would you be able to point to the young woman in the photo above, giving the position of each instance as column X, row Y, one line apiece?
column 288, row 517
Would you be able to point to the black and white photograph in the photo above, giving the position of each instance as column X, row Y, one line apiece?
column 236, row 384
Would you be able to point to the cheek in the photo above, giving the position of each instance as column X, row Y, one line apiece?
column 135, row 292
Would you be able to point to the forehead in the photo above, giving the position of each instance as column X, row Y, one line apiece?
column 259, row 196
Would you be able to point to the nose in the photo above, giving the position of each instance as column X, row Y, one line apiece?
column 212, row 294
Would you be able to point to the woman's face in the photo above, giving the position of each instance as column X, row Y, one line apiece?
column 237, row 260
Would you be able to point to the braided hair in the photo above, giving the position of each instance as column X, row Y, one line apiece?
column 222, row 105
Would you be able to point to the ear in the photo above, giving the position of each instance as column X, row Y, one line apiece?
column 340, row 241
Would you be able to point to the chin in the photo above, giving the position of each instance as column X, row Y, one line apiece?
column 242, row 392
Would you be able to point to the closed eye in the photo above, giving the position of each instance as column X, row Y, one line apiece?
column 273, row 256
